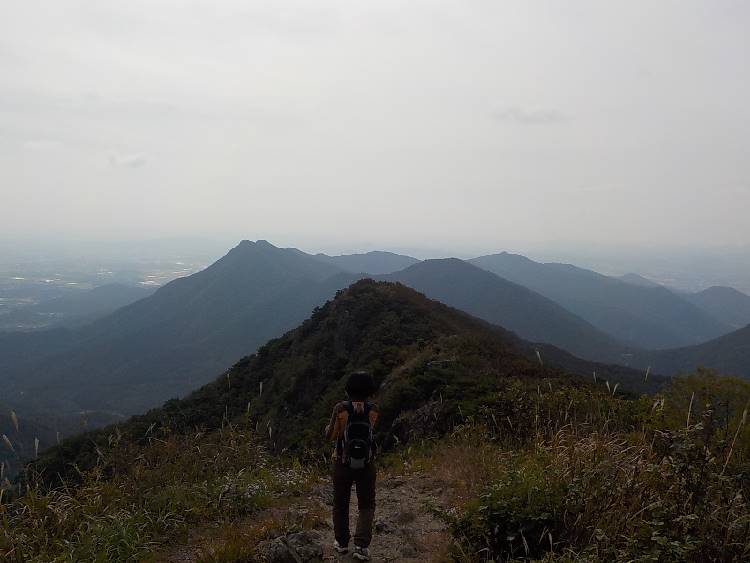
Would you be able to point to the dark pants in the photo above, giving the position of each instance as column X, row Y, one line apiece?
column 343, row 478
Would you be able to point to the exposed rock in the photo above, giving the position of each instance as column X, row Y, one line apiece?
column 408, row 551
column 301, row 547
column 384, row 526
column 395, row 482
column 420, row 423
column 326, row 495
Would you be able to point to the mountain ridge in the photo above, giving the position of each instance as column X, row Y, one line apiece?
column 643, row 317
column 416, row 348
column 376, row 262
column 532, row 316
column 728, row 355
column 725, row 303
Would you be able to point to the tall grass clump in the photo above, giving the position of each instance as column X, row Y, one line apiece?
column 138, row 498
column 611, row 479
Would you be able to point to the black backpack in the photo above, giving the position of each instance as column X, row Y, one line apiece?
column 358, row 440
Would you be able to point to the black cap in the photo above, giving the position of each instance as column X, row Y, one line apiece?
column 360, row 385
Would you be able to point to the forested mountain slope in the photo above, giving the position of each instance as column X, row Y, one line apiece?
column 417, row 349
column 728, row 354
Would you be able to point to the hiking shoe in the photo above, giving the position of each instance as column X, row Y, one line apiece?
column 361, row 553
column 338, row 548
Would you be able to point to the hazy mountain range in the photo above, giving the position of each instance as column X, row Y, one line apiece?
column 171, row 342
column 417, row 349
column 725, row 303
column 507, row 304
column 728, row 354
column 180, row 337
column 638, row 315
column 375, row 262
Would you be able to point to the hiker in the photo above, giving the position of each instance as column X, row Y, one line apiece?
column 351, row 427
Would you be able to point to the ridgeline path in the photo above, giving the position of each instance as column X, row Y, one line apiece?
column 406, row 526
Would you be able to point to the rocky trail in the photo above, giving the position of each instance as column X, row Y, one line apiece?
column 406, row 527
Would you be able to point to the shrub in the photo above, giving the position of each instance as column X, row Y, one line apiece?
column 643, row 486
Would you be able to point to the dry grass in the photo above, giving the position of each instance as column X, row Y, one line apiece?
column 605, row 496
column 436, row 547
column 601, row 480
column 459, row 466
column 244, row 540
column 137, row 500
column 239, row 542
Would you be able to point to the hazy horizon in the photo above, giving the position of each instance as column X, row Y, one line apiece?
column 436, row 248
column 480, row 126
column 682, row 267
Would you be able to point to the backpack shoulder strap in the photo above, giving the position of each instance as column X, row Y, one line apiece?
column 349, row 409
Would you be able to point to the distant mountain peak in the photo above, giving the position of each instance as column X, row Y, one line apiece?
column 260, row 243
column 725, row 303
column 375, row 262
column 368, row 253
column 242, row 246
column 248, row 247
column 443, row 266
column 456, row 262
column 520, row 258
column 719, row 289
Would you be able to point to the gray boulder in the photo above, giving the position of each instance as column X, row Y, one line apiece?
column 300, row 547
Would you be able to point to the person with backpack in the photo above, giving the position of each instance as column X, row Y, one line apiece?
column 351, row 427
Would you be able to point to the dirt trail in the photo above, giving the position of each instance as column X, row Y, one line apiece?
column 406, row 529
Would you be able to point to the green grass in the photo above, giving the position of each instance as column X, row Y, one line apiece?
column 628, row 482
column 138, row 499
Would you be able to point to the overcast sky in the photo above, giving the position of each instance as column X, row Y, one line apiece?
column 466, row 124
